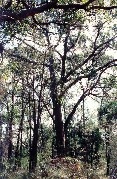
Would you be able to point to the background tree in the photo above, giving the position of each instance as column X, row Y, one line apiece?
column 108, row 112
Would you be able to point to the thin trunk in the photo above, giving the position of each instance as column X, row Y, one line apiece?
column 10, row 146
column 18, row 151
column 107, row 130
column 33, row 152
column 36, row 121
column 21, row 124
column 83, row 112
column 30, row 130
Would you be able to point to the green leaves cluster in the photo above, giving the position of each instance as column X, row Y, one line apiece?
column 108, row 111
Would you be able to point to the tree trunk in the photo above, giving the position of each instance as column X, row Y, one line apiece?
column 36, row 122
column 59, row 129
column 10, row 146
column 58, row 122
column 33, row 151
column 30, row 130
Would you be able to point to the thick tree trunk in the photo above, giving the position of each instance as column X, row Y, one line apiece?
column 59, row 129
column 58, row 122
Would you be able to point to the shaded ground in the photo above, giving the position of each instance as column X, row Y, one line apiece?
column 64, row 168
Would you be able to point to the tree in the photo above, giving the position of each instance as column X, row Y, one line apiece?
column 108, row 111
column 74, row 60
column 20, row 10
column 24, row 107
column 69, row 68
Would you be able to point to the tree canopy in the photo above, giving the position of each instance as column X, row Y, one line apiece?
column 13, row 11
column 55, row 55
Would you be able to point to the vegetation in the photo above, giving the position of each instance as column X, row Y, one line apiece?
column 57, row 56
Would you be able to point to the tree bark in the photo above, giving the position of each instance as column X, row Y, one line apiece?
column 60, row 145
column 58, row 122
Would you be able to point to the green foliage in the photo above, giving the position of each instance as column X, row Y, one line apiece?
column 84, row 60
column 111, row 82
column 84, row 145
column 109, row 111
column 10, row 30
column 46, row 138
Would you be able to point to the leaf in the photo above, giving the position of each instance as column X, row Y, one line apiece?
column 84, row 1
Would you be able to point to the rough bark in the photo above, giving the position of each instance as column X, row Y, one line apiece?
column 58, row 122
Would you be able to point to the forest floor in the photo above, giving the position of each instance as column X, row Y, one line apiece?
column 64, row 168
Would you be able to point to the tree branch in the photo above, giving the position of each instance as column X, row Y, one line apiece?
column 10, row 16
column 87, row 92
